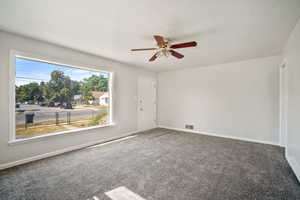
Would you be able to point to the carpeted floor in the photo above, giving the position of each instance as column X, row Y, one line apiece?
column 158, row 165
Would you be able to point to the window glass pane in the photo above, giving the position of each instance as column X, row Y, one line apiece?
column 51, row 98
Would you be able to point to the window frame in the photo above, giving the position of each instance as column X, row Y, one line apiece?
column 47, row 59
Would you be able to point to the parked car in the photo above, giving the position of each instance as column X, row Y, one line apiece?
column 57, row 104
column 17, row 105
column 51, row 104
column 66, row 106
column 43, row 104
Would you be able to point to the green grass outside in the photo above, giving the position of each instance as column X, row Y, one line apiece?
column 43, row 128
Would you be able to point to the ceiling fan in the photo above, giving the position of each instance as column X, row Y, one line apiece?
column 164, row 48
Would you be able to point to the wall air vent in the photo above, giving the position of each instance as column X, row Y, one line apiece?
column 188, row 126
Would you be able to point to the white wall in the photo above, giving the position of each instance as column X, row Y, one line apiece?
column 125, row 93
column 235, row 100
column 292, row 56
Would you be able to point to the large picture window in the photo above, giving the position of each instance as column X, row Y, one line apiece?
column 52, row 98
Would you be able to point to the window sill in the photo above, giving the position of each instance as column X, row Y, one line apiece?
column 46, row 136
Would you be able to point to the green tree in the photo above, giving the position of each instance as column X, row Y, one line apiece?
column 93, row 83
column 28, row 92
column 103, row 84
column 75, row 87
column 59, row 87
column 18, row 93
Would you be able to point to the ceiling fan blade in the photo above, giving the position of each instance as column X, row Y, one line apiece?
column 145, row 49
column 154, row 57
column 176, row 54
column 160, row 40
column 184, row 45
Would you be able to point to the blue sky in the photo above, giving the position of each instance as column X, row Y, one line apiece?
column 33, row 71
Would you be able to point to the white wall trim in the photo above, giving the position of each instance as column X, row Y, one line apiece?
column 47, row 136
column 219, row 135
column 294, row 165
column 61, row 151
column 283, row 103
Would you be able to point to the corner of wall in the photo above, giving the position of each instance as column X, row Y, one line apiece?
column 294, row 165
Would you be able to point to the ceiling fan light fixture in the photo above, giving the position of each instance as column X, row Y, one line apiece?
column 165, row 49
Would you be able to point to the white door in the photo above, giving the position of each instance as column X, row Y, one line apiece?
column 146, row 103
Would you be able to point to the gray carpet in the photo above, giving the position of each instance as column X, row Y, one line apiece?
column 158, row 165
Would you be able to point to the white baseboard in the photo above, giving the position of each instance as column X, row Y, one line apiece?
column 219, row 135
column 294, row 165
column 54, row 153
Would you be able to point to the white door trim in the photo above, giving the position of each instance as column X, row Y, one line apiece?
column 283, row 103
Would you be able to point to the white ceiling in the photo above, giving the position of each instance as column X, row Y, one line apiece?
column 226, row 31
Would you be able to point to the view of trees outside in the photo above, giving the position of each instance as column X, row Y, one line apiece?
column 53, row 98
